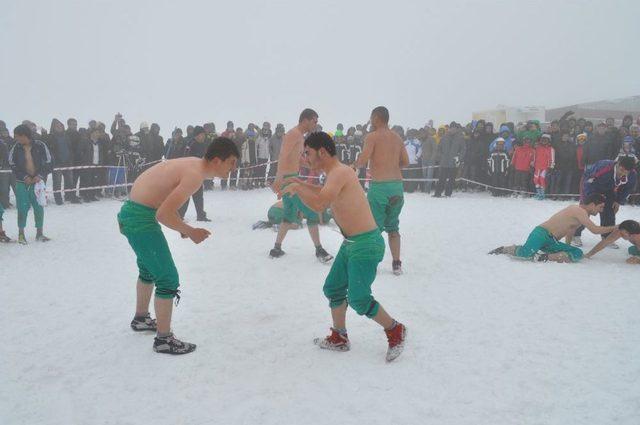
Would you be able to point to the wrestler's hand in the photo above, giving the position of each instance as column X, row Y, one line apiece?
column 633, row 260
column 616, row 207
column 197, row 235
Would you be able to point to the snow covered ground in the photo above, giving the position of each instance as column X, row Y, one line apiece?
column 492, row 340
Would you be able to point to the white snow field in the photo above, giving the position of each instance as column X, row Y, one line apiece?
column 491, row 340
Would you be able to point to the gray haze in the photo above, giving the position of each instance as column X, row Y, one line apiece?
column 181, row 62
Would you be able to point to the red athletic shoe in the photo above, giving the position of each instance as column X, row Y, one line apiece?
column 336, row 341
column 396, row 337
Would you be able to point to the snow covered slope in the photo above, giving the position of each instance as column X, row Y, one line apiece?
column 492, row 340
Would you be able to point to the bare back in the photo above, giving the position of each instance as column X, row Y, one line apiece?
column 566, row 221
column 386, row 154
column 350, row 207
column 153, row 186
column 291, row 152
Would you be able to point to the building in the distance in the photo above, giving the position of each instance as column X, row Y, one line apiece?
column 599, row 111
column 514, row 114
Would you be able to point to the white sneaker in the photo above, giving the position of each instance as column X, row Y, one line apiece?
column 613, row 246
column 576, row 241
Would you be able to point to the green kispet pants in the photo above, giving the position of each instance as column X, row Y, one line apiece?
column 155, row 264
column 293, row 204
column 1, row 211
column 275, row 215
column 353, row 271
column 386, row 199
column 25, row 199
column 541, row 240
column 633, row 250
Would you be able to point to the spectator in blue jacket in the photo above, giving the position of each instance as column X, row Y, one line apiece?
column 30, row 162
column 613, row 179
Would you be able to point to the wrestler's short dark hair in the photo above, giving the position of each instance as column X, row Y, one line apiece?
column 627, row 163
column 307, row 114
column 594, row 198
column 23, row 130
column 320, row 139
column 223, row 148
column 631, row 226
column 382, row 113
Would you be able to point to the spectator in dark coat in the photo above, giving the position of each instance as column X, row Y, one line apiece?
column 93, row 153
column 450, row 151
column 196, row 147
column 62, row 151
column 598, row 147
column 30, row 161
column 176, row 146
column 566, row 165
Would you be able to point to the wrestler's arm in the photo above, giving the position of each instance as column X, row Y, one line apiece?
column 614, row 236
column 167, row 213
column 320, row 200
column 287, row 145
column 592, row 227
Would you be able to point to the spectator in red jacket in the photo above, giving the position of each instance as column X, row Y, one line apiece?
column 543, row 163
column 522, row 161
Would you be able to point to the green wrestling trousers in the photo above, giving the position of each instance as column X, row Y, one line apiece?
column 25, row 200
column 633, row 250
column 293, row 204
column 541, row 240
column 386, row 199
column 155, row 264
column 353, row 272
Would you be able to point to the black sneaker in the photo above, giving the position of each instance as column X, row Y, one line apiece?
column 4, row 238
column 542, row 258
column 497, row 251
column 42, row 238
column 203, row 219
column 276, row 252
column 323, row 255
column 396, row 265
column 171, row 345
column 145, row 323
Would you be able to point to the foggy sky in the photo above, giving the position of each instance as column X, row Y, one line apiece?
column 181, row 62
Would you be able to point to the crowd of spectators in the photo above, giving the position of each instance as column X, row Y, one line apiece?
column 516, row 159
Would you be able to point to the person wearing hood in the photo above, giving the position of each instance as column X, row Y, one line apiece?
column 627, row 150
column 62, row 153
column 154, row 148
column 196, row 148
column 532, row 131
column 144, row 135
column 450, row 151
column 507, row 135
column 543, row 164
